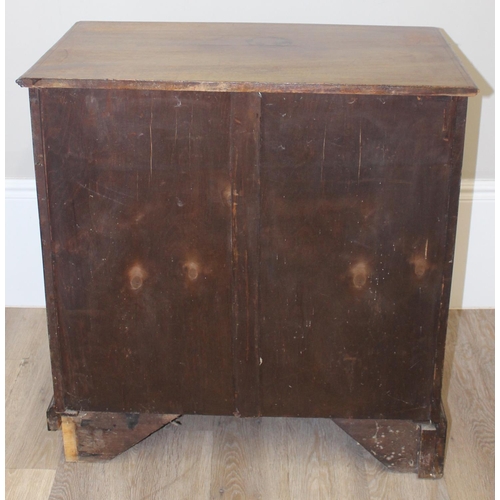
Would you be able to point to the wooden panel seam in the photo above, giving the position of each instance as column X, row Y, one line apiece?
column 245, row 227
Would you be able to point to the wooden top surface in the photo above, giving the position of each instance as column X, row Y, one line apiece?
column 252, row 58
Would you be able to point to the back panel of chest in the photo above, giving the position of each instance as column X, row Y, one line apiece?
column 249, row 220
column 350, row 216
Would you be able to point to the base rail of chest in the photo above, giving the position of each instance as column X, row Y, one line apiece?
column 400, row 445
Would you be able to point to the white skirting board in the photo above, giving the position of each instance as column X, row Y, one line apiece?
column 473, row 278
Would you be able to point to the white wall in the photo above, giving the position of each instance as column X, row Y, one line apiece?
column 33, row 26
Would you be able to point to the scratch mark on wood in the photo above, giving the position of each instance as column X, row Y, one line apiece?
column 323, row 156
column 175, row 137
column 99, row 194
column 107, row 188
column 359, row 155
column 151, row 144
column 398, row 399
column 189, row 133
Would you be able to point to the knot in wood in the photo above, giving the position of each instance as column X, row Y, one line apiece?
column 136, row 275
column 192, row 270
column 359, row 274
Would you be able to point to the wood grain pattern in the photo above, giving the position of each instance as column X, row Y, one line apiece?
column 319, row 470
column 68, row 429
column 432, row 449
column 221, row 247
column 44, row 213
column 18, row 345
column 28, row 445
column 354, row 197
column 12, row 370
column 254, row 58
column 280, row 252
column 457, row 113
column 97, row 436
column 469, row 387
column 28, row 484
column 395, row 443
column 248, row 254
column 141, row 249
column 164, row 466
column 53, row 418
column 235, row 472
column 383, row 486
column 297, row 458
column 245, row 203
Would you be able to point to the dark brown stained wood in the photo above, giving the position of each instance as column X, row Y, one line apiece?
column 432, row 449
column 94, row 436
column 354, row 195
column 395, row 443
column 245, row 202
column 402, row 445
column 141, row 238
column 253, row 58
column 249, row 220
column 53, row 418
column 459, row 112
column 44, row 214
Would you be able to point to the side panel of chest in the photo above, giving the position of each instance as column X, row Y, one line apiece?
column 139, row 192
column 354, row 217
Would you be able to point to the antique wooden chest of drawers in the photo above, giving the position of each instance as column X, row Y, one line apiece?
column 255, row 220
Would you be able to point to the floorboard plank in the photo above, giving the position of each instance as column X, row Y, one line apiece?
column 396, row 486
column 28, row 484
column 12, row 369
column 469, row 374
column 172, row 463
column 25, row 331
column 28, row 443
column 324, row 462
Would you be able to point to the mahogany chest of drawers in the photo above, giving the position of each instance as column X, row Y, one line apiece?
column 255, row 220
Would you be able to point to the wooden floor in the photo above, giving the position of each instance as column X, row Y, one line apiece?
column 229, row 458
